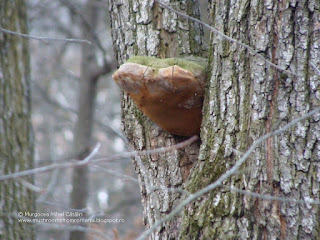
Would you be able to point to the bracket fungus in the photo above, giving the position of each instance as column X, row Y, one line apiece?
column 169, row 91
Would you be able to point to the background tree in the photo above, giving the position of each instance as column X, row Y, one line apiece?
column 16, row 145
column 57, row 76
column 90, row 74
column 246, row 99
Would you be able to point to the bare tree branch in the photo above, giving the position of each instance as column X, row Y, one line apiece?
column 52, row 166
column 86, row 23
column 148, row 152
column 272, row 198
column 31, row 186
column 71, row 40
column 89, row 159
column 115, row 173
column 315, row 68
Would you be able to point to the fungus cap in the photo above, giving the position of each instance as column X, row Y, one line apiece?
column 169, row 91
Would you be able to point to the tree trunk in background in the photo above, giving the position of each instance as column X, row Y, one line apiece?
column 247, row 99
column 16, row 142
column 143, row 28
column 84, row 124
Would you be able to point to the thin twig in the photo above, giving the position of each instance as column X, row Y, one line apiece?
column 272, row 198
column 92, row 154
column 88, row 26
column 148, row 152
column 71, row 40
column 315, row 68
column 115, row 173
column 31, row 186
column 226, row 175
column 52, row 166
column 214, row 30
column 171, row 190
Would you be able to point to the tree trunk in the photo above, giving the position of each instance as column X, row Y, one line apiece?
column 143, row 28
column 16, row 144
column 84, row 124
column 245, row 99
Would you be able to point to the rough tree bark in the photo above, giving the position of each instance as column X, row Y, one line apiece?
column 245, row 99
column 16, row 144
column 143, row 28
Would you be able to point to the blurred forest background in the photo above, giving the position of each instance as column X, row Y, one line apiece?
column 75, row 105
column 56, row 73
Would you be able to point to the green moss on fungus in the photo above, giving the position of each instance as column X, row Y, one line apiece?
column 192, row 64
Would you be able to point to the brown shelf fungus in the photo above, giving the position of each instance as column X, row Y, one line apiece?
column 169, row 91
